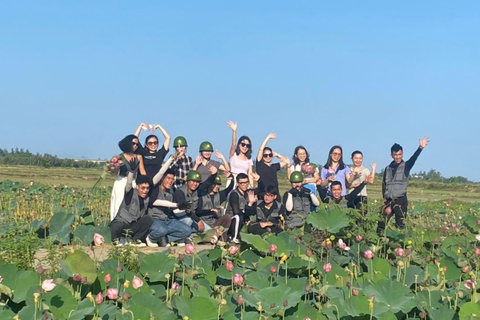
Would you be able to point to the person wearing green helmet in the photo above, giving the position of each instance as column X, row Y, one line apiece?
column 210, row 203
column 187, row 197
column 298, row 201
column 183, row 164
column 204, row 161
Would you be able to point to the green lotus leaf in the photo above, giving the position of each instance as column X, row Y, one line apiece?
column 389, row 315
column 151, row 304
column 446, row 313
column 457, row 241
column 273, row 298
column 259, row 279
column 196, row 307
column 199, row 287
column 80, row 263
column 250, row 258
column 155, row 266
column 24, row 280
column 82, row 313
column 8, row 314
column 28, row 312
column 249, row 315
column 108, row 311
column 453, row 271
column 339, row 258
column 61, row 226
column 282, row 245
column 256, row 241
column 381, row 269
column 337, row 276
column 8, row 273
column 85, row 234
column 393, row 294
column 223, row 273
column 215, row 254
column 266, row 263
column 428, row 298
column 411, row 273
column 304, row 311
column 332, row 221
column 468, row 310
column 60, row 301
column 297, row 284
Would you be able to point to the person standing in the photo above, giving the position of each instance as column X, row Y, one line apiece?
column 204, row 160
column 361, row 174
column 395, row 183
column 265, row 168
column 334, row 170
column 183, row 164
column 152, row 155
column 241, row 154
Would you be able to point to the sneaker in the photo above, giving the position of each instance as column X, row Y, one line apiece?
column 236, row 241
column 117, row 243
column 150, row 243
column 138, row 243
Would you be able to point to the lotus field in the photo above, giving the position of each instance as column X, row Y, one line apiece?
column 335, row 267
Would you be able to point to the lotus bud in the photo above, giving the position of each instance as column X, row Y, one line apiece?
column 77, row 277
column 107, row 278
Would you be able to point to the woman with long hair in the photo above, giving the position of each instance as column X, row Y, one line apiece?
column 129, row 146
column 335, row 170
column 301, row 163
column 361, row 174
column 240, row 154
column 152, row 155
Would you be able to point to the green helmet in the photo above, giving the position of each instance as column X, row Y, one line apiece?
column 205, row 146
column 180, row 142
column 193, row 175
column 218, row 180
column 296, row 176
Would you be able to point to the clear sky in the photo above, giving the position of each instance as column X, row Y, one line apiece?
column 77, row 76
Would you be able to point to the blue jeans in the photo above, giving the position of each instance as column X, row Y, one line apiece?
column 175, row 230
column 189, row 222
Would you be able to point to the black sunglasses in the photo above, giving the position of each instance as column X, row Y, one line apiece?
column 245, row 144
column 268, row 155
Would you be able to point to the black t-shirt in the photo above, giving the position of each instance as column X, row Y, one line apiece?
column 268, row 175
column 153, row 161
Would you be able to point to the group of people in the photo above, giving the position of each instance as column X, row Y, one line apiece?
column 159, row 200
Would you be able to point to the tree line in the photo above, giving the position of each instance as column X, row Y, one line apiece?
column 24, row 157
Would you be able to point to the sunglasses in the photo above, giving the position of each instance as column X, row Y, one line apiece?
column 152, row 143
column 268, row 155
column 245, row 144
column 134, row 144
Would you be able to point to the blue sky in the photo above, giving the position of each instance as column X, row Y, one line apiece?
column 76, row 77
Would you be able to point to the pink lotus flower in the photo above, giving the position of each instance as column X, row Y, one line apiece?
column 368, row 254
column 137, row 282
column 99, row 298
column 112, row 293
column 470, row 284
column 359, row 237
column 240, row 300
column 477, row 252
column 308, row 253
column 98, row 239
column 273, row 269
column 233, row 250
column 238, row 279
column 107, row 278
column 273, row 248
column 355, row 292
column 229, row 265
column 327, row 267
column 342, row 245
column 189, row 248
column 48, row 285
column 175, row 286
column 399, row 252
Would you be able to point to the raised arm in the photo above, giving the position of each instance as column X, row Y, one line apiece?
column 224, row 166
column 372, row 174
column 233, row 126
column 141, row 167
column 158, row 176
column 165, row 134
column 284, row 161
column 263, row 145
column 141, row 126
